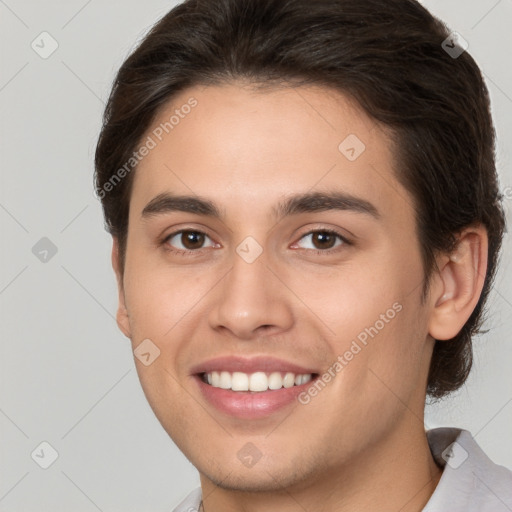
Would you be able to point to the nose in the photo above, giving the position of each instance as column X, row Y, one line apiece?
column 251, row 300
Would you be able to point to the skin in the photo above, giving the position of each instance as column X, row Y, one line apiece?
column 361, row 440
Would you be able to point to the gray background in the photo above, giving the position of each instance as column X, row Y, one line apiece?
column 67, row 374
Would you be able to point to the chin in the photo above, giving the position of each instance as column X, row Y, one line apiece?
column 258, row 478
column 249, row 481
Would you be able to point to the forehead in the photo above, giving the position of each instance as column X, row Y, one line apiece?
column 231, row 141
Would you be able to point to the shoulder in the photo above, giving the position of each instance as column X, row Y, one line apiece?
column 191, row 502
column 471, row 481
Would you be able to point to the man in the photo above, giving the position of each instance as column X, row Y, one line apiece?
column 306, row 223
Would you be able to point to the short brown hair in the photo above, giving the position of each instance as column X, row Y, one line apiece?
column 385, row 54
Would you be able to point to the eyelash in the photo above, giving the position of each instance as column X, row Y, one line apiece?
column 185, row 252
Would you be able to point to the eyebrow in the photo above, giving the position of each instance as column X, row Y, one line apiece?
column 300, row 203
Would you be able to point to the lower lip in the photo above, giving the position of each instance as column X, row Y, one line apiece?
column 250, row 404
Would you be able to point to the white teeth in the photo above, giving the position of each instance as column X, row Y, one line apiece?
column 288, row 380
column 275, row 381
column 306, row 378
column 240, row 381
column 225, row 380
column 258, row 381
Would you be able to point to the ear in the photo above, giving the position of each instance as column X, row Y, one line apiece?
column 122, row 317
column 457, row 287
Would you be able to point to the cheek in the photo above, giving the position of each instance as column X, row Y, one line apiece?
column 161, row 299
column 379, row 326
column 174, row 409
column 393, row 362
column 350, row 297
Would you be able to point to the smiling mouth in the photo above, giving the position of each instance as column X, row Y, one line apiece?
column 256, row 382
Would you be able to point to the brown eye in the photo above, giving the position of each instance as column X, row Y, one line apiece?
column 192, row 239
column 186, row 240
column 323, row 240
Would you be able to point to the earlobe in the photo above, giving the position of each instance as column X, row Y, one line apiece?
column 459, row 284
column 122, row 316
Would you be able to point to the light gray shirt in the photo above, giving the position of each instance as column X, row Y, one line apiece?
column 470, row 482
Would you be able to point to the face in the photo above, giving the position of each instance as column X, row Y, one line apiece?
column 295, row 254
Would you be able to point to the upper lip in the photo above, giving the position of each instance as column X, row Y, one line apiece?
column 249, row 365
